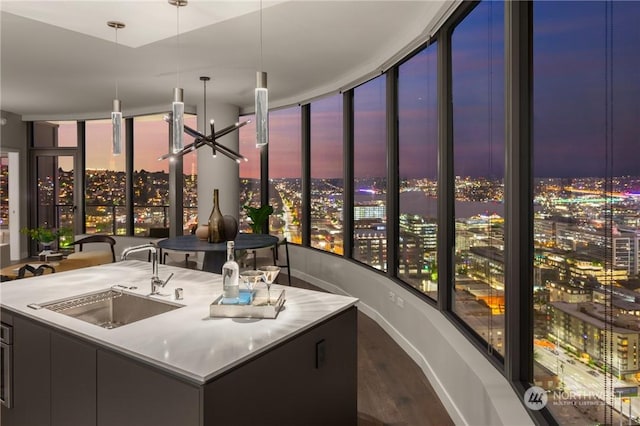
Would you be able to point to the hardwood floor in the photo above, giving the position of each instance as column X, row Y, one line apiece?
column 392, row 390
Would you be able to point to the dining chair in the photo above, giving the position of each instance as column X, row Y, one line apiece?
column 98, row 255
column 167, row 256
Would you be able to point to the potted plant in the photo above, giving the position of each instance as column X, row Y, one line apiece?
column 47, row 236
column 44, row 236
column 258, row 216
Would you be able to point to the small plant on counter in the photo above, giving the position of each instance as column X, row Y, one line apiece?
column 47, row 236
column 41, row 234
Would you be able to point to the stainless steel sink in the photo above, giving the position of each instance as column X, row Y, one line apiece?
column 110, row 308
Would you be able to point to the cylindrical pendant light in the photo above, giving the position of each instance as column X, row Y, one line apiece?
column 262, row 109
column 177, row 107
column 116, row 125
column 262, row 100
column 177, row 112
column 116, row 114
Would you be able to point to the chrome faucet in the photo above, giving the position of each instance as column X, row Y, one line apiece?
column 156, row 283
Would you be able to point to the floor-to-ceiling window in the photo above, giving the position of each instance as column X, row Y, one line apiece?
column 151, row 175
column 55, row 186
column 370, row 173
column 285, row 174
column 477, row 51
column 190, row 185
column 418, row 169
column 587, row 209
column 327, row 184
column 54, row 177
column 249, row 171
column 105, row 177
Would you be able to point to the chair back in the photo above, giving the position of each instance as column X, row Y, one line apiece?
column 284, row 264
column 98, row 239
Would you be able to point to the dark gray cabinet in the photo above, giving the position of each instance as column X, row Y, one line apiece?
column 309, row 380
column 73, row 382
column 61, row 380
column 131, row 394
column 54, row 378
column 31, row 372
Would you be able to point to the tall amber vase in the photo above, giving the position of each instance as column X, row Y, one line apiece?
column 216, row 221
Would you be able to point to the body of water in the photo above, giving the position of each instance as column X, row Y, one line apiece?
column 416, row 202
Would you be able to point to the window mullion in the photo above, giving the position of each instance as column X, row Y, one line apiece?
column 518, row 193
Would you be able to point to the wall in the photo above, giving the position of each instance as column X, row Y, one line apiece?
column 13, row 138
column 469, row 386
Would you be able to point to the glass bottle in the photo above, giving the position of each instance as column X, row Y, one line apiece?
column 230, row 277
column 216, row 221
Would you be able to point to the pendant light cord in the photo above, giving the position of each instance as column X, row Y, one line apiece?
column 117, row 62
column 260, row 35
column 178, row 45
column 116, row 25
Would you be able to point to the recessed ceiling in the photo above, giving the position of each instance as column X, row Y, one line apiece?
column 59, row 59
column 88, row 17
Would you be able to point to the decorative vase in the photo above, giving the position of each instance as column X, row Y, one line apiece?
column 202, row 232
column 230, row 227
column 47, row 245
column 216, row 221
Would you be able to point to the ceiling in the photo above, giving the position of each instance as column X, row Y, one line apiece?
column 60, row 60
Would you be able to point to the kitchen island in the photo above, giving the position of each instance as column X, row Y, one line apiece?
column 180, row 367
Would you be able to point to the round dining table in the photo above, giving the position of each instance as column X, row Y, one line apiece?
column 215, row 254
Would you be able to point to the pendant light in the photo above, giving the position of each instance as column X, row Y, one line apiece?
column 177, row 107
column 116, row 114
column 262, row 99
column 200, row 139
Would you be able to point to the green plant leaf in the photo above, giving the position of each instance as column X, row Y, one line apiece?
column 258, row 216
column 41, row 234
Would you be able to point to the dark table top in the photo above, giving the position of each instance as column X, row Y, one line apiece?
column 242, row 242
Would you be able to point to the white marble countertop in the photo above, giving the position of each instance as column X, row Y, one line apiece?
column 186, row 342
